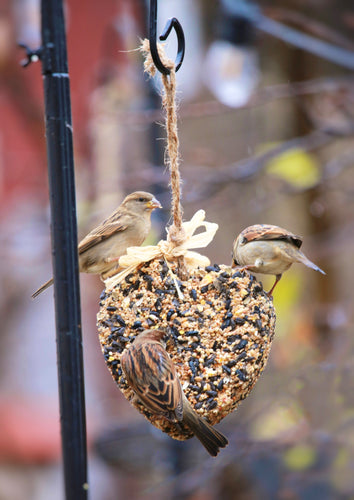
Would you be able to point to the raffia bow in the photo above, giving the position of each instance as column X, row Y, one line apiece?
column 169, row 250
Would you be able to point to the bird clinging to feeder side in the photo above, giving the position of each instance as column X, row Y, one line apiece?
column 268, row 249
column 151, row 374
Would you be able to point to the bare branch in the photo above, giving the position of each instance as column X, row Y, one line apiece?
column 245, row 170
column 311, row 25
column 263, row 96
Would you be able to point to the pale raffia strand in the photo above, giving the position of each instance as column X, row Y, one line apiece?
column 176, row 233
column 168, row 250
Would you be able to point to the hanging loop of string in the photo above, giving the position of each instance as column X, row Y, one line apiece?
column 181, row 237
column 176, row 234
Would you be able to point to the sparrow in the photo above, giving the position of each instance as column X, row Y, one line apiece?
column 150, row 372
column 267, row 249
column 127, row 226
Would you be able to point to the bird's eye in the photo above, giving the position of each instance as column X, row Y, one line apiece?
column 142, row 199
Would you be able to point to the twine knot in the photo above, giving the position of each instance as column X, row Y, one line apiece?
column 176, row 236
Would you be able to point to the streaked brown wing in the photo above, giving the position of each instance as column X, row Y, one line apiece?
column 100, row 233
column 261, row 232
column 152, row 375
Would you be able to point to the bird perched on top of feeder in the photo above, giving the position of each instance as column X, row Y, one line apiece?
column 268, row 249
column 127, row 226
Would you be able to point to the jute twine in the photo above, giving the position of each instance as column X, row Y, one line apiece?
column 181, row 237
column 176, row 233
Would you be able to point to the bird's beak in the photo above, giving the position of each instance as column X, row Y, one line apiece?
column 154, row 203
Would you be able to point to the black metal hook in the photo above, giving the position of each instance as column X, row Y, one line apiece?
column 31, row 55
column 171, row 23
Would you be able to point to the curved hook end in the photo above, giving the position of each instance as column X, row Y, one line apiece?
column 172, row 23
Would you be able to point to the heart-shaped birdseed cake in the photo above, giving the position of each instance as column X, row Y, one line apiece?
column 219, row 325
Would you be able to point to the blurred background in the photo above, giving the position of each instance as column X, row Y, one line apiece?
column 266, row 106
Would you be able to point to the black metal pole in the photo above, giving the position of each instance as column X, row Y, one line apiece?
column 64, row 248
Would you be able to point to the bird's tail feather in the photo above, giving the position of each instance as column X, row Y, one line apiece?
column 210, row 438
column 309, row 263
column 42, row 288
